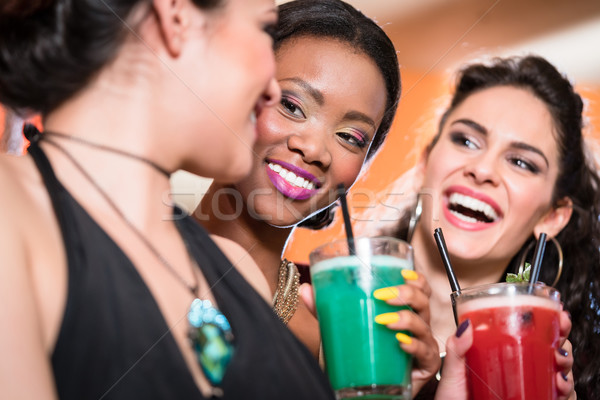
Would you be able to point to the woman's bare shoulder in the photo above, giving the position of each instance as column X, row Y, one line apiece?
column 17, row 177
column 25, row 208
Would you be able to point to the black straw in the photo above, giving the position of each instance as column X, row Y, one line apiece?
column 536, row 263
column 347, row 224
column 439, row 239
column 441, row 244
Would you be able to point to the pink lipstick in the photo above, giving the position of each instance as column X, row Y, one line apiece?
column 291, row 181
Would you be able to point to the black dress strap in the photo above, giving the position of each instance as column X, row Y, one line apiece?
column 54, row 187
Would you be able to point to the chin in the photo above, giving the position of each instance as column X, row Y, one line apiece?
column 271, row 215
column 234, row 172
column 470, row 254
column 272, row 220
column 281, row 225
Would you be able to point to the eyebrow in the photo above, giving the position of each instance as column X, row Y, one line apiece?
column 358, row 116
column 313, row 92
column 517, row 145
column 317, row 95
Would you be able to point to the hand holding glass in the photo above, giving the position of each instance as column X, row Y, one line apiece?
column 515, row 335
column 363, row 359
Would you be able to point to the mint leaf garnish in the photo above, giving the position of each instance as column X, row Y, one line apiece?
column 527, row 273
column 522, row 276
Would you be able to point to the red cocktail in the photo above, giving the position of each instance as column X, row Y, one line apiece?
column 515, row 335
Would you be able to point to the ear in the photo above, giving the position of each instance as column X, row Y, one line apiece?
column 173, row 16
column 555, row 220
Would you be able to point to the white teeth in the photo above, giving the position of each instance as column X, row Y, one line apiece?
column 253, row 117
column 291, row 177
column 472, row 204
column 463, row 217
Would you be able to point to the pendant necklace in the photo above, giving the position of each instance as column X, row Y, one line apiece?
column 210, row 333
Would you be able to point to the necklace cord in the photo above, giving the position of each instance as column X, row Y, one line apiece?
column 193, row 288
column 108, row 149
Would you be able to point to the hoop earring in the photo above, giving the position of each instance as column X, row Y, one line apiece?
column 415, row 216
column 560, row 258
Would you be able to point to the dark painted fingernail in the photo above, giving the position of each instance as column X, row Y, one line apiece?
column 569, row 314
column 564, row 376
column 462, row 327
column 563, row 352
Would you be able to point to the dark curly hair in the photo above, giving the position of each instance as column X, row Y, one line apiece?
column 338, row 20
column 579, row 283
column 50, row 49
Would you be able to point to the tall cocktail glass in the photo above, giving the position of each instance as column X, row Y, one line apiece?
column 515, row 335
column 362, row 358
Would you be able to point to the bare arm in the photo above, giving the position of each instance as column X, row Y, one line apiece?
column 25, row 371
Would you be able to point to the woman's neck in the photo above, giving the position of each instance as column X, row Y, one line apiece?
column 91, row 117
column 119, row 108
column 262, row 241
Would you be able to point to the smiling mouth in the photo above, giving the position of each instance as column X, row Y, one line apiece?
column 470, row 209
column 291, row 177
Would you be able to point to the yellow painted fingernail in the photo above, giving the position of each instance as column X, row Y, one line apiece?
column 386, row 293
column 403, row 338
column 410, row 275
column 387, row 318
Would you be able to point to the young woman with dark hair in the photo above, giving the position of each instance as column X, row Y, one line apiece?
column 340, row 83
column 508, row 163
column 106, row 291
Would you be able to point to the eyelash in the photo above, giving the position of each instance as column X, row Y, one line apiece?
column 353, row 140
column 290, row 107
column 524, row 164
column 461, row 139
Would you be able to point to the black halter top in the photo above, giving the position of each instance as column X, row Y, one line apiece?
column 115, row 344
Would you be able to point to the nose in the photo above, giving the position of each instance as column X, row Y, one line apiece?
column 272, row 94
column 483, row 169
column 310, row 143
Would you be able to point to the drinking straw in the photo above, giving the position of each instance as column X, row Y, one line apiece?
column 441, row 244
column 536, row 263
column 349, row 236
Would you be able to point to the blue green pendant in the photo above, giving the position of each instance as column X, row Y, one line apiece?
column 212, row 339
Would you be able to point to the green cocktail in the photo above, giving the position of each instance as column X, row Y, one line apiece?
column 363, row 359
